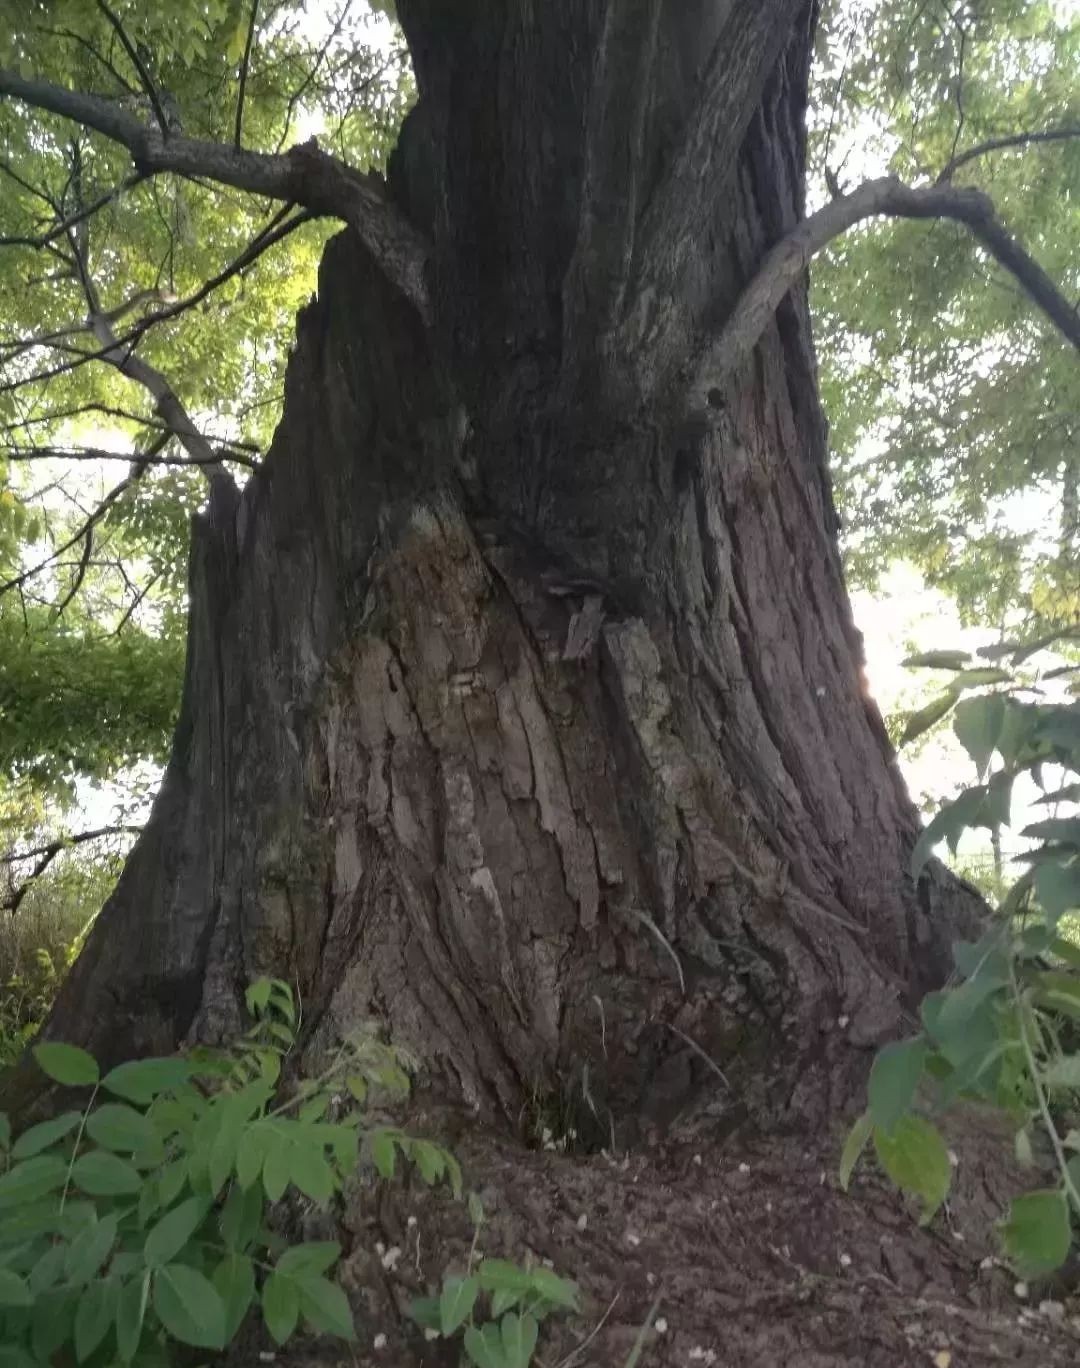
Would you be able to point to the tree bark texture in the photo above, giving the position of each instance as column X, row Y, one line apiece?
column 524, row 711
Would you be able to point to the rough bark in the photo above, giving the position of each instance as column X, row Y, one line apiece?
column 528, row 716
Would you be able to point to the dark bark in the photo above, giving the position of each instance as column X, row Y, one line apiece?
column 520, row 712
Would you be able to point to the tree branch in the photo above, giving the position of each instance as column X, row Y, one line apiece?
column 139, row 65
column 249, row 43
column 44, row 855
column 744, row 55
column 614, row 130
column 1048, row 135
column 137, row 458
column 60, row 229
column 784, row 265
column 305, row 175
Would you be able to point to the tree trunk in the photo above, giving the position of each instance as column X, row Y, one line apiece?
column 524, row 709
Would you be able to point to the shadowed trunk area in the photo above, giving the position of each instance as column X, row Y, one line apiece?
column 524, row 709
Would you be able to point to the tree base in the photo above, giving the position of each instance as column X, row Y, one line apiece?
column 752, row 1253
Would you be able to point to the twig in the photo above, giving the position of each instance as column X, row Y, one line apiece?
column 44, row 855
column 139, row 65
column 1047, row 135
column 244, row 73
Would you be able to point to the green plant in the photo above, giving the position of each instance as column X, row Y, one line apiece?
column 140, row 1220
column 496, row 1309
column 1006, row 1030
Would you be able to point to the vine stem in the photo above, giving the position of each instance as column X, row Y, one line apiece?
column 1040, row 1095
column 75, row 1150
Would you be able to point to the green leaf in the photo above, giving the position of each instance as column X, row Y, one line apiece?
column 429, row 1159
column 325, row 1307
column 456, row 1302
column 485, row 1347
column 116, row 1127
column 31, row 1179
column 894, row 1078
column 67, row 1064
column 250, row 1153
column 47, row 1133
column 241, row 1215
column 519, row 1339
column 499, row 1275
column 853, row 1147
column 234, row 1279
column 130, row 1314
column 141, row 1080
column 980, row 678
column 99, row 1174
column 173, row 1231
column 257, row 997
column 52, row 1322
column 5, row 1132
column 89, row 1250
column 1057, row 888
column 1062, row 830
column 977, row 724
column 189, row 1307
column 93, row 1316
column 425, row 1312
column 171, row 1181
column 310, row 1259
column 309, row 1170
column 280, row 1306
column 937, row 660
column 383, row 1152
column 922, row 720
column 49, row 1268
column 559, row 1291
column 914, row 1156
column 1058, row 991
column 13, row 1290
column 277, row 1165
column 1036, row 1236
column 1063, row 1072
column 947, row 825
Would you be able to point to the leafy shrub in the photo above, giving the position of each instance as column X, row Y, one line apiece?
column 1007, row 1030
column 497, row 1310
column 140, row 1220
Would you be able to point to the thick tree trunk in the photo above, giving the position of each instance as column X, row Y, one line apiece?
column 524, row 710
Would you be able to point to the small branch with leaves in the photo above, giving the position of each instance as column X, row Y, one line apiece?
column 785, row 264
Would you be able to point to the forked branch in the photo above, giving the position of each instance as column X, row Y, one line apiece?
column 305, row 175
column 785, row 264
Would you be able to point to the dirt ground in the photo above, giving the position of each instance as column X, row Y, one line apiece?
column 753, row 1253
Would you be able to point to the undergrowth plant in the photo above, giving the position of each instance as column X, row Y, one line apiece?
column 496, row 1308
column 138, row 1220
column 1006, row 1029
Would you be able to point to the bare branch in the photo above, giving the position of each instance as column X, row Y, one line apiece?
column 44, row 855
column 133, row 458
column 305, row 175
column 784, row 265
column 88, row 211
column 139, row 65
column 248, row 45
column 81, row 533
column 1048, row 135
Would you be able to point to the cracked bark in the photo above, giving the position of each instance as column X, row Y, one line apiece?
column 525, row 715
